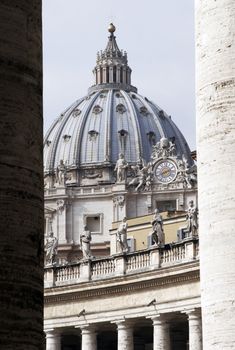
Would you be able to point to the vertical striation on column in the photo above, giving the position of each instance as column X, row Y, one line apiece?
column 161, row 334
column 125, row 336
column 215, row 89
column 89, row 339
column 195, row 330
column 21, row 177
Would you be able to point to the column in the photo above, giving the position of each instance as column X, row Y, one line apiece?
column 110, row 75
column 125, row 335
column 89, row 341
column 161, row 334
column 53, row 340
column 21, row 175
column 195, row 330
column 215, row 110
column 118, row 75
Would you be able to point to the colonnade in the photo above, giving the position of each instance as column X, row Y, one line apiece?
column 125, row 334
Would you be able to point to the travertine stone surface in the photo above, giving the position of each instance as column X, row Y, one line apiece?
column 89, row 341
column 161, row 334
column 53, row 340
column 21, row 209
column 195, row 330
column 215, row 72
column 125, row 336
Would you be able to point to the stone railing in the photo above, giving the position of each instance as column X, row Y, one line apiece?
column 122, row 264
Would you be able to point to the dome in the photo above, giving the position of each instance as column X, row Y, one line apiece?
column 112, row 119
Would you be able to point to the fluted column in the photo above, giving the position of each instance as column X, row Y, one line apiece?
column 53, row 340
column 89, row 341
column 125, row 335
column 195, row 330
column 21, row 176
column 161, row 334
column 215, row 109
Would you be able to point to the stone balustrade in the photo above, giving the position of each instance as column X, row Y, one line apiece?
column 122, row 264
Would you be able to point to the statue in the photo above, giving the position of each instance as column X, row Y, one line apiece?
column 143, row 177
column 192, row 221
column 122, row 236
column 120, row 168
column 158, row 237
column 85, row 241
column 61, row 173
column 51, row 248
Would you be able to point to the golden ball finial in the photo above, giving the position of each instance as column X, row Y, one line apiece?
column 111, row 28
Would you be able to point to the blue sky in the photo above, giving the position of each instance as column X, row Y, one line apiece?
column 157, row 35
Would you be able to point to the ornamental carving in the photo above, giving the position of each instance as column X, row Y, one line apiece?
column 48, row 143
column 60, row 205
column 93, row 135
column 142, row 177
column 97, row 109
column 144, row 111
column 186, row 174
column 120, row 108
column 66, row 138
column 119, row 201
column 92, row 173
column 164, row 149
column 76, row 112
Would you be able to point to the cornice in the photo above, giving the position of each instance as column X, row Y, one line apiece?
column 118, row 289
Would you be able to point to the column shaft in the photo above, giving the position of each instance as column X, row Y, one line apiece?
column 53, row 341
column 21, row 175
column 195, row 331
column 125, row 336
column 215, row 86
column 161, row 335
column 89, row 341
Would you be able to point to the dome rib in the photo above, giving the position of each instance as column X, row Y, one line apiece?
column 52, row 152
column 134, row 117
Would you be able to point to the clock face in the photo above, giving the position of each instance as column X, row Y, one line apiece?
column 165, row 171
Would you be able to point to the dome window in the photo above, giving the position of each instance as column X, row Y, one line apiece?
column 66, row 138
column 93, row 135
column 76, row 112
column 144, row 111
column 97, row 109
column 152, row 137
column 61, row 116
column 161, row 114
column 122, row 132
column 120, row 108
column 102, row 95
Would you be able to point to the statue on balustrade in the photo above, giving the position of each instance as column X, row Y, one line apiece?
column 51, row 248
column 85, row 241
column 158, row 237
column 192, row 220
column 122, row 246
column 120, row 168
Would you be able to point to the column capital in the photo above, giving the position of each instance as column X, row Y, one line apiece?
column 87, row 328
column 193, row 314
column 158, row 319
column 124, row 323
column 52, row 333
